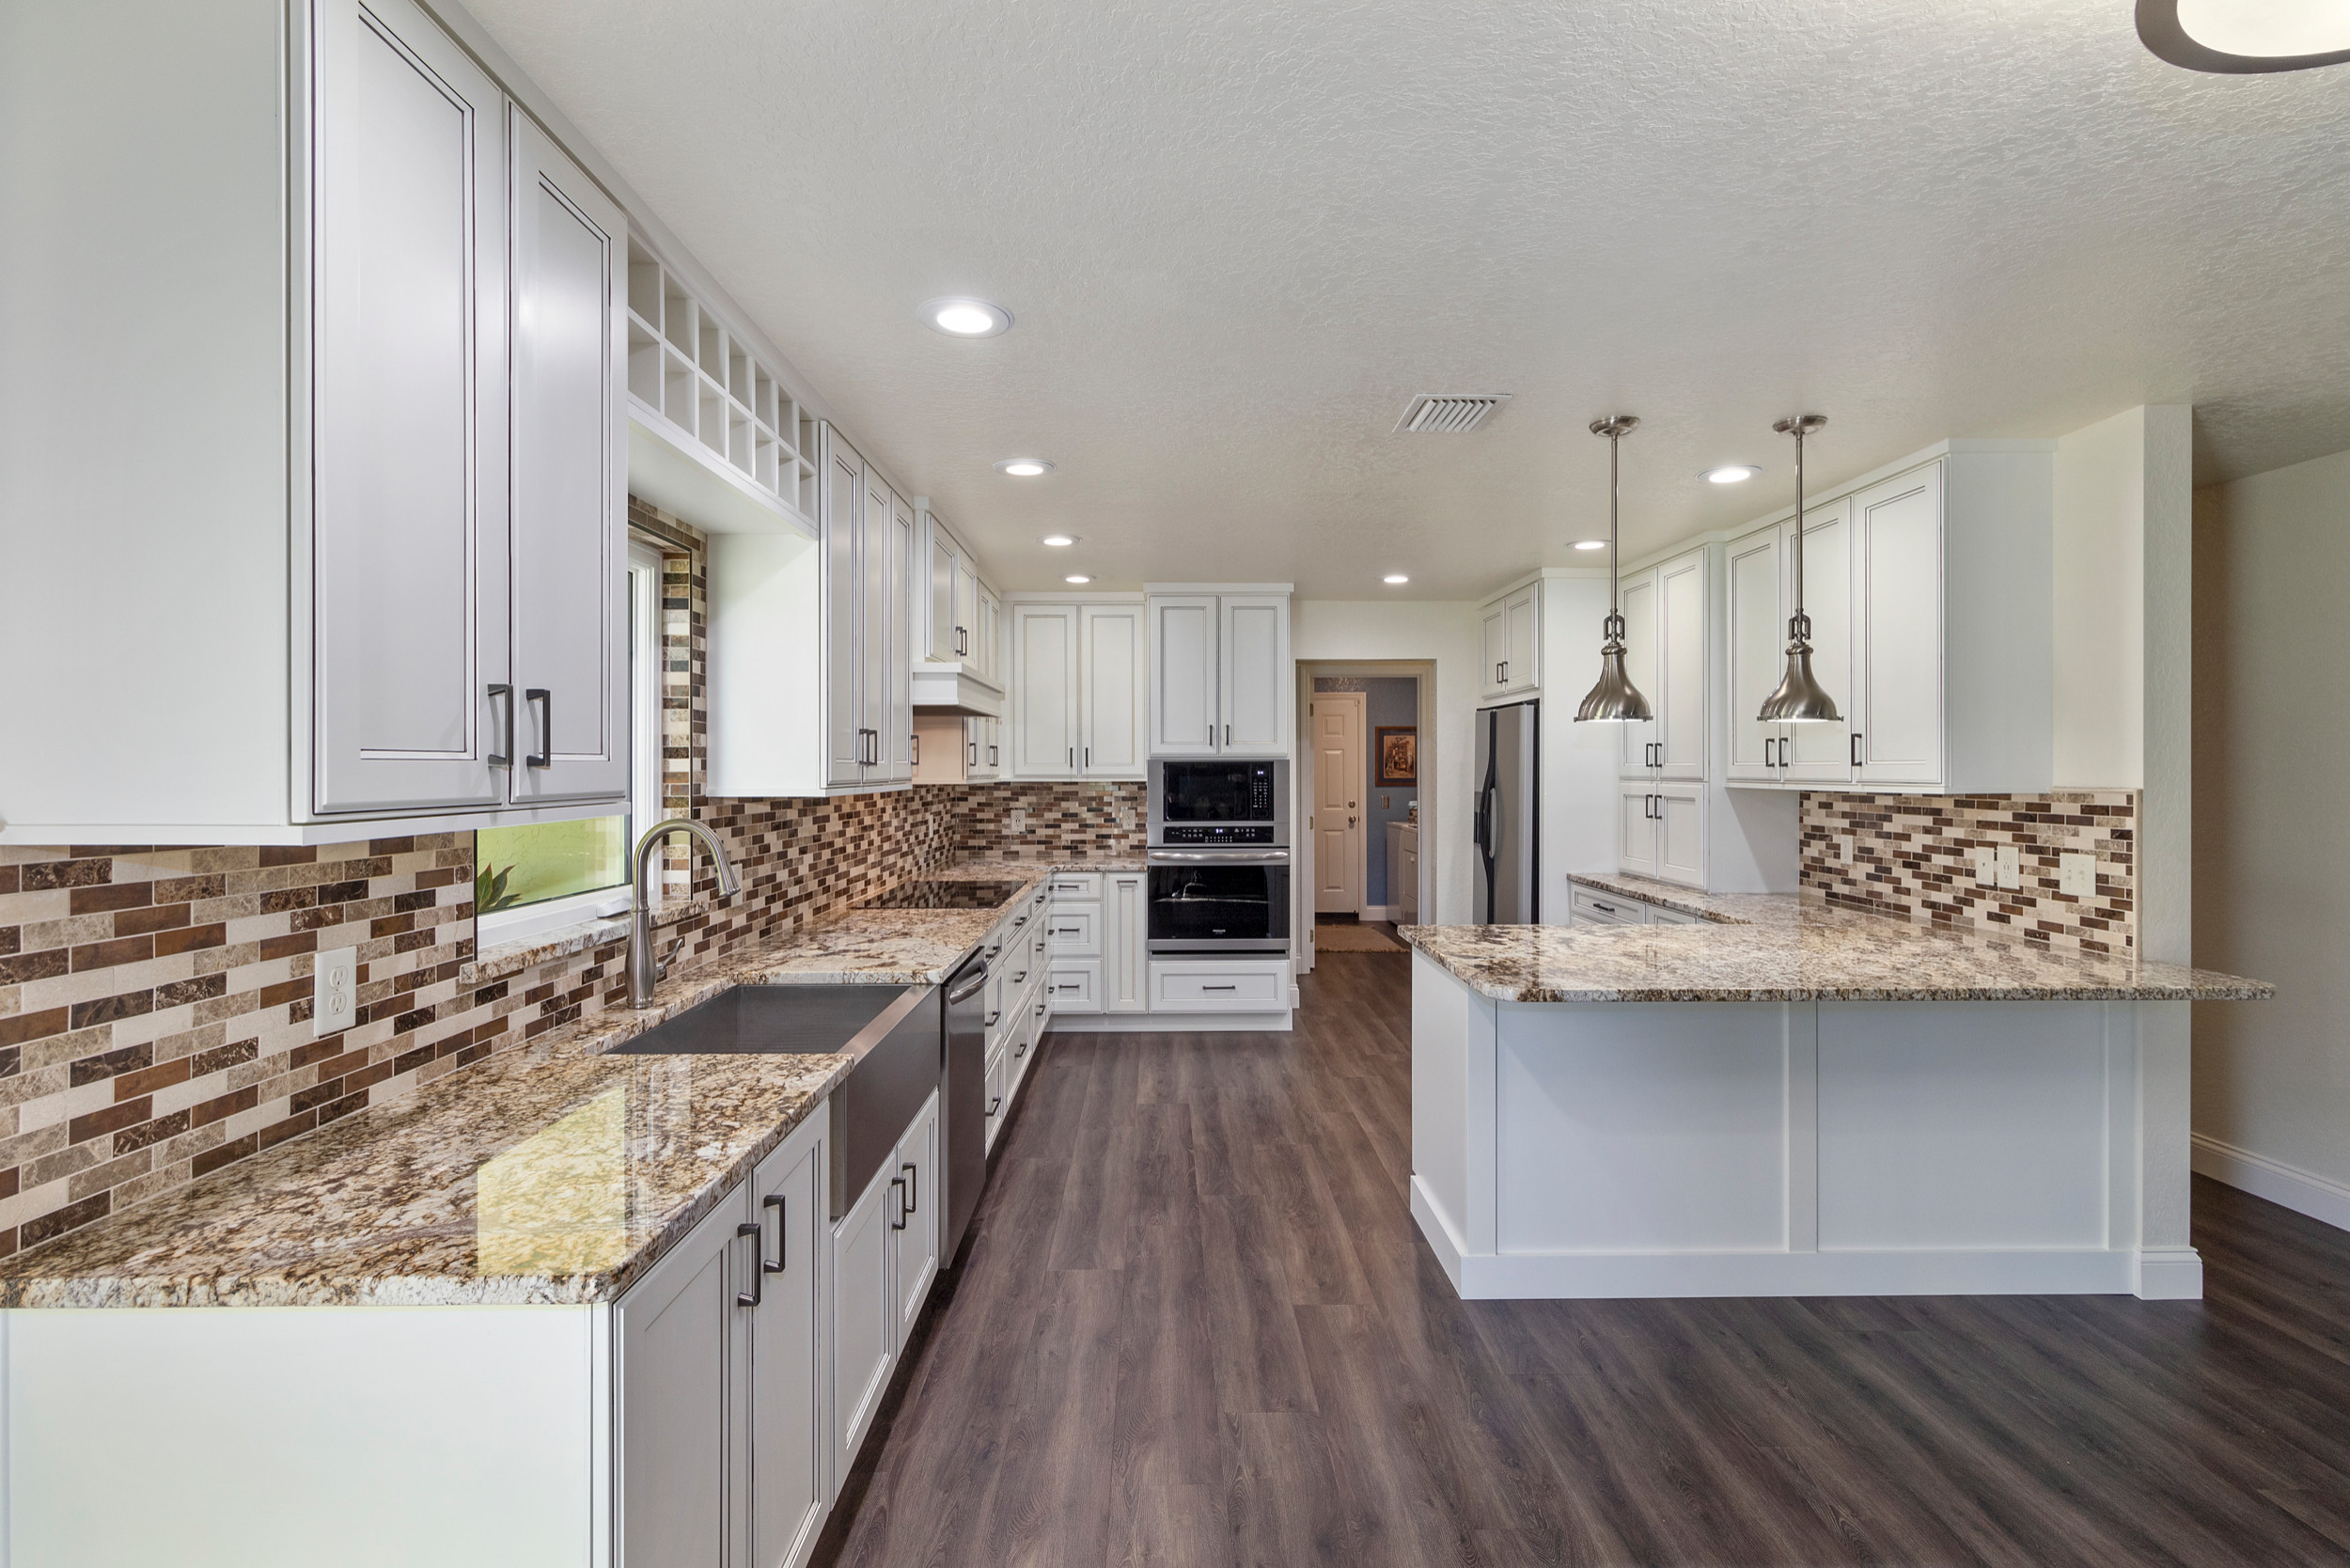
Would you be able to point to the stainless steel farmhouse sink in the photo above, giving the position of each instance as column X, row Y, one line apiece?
column 897, row 1033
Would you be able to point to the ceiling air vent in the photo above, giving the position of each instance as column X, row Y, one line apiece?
column 1432, row 414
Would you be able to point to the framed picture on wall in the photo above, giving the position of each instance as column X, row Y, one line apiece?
column 1399, row 754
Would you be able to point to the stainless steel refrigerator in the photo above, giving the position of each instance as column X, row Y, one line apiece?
column 1508, row 778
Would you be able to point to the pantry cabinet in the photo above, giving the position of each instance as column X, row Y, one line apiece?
column 1930, row 698
column 1668, row 613
column 392, row 500
column 1220, row 681
column 1512, row 634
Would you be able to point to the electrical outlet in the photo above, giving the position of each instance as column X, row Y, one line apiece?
column 1986, row 866
column 2011, row 866
column 334, row 991
column 1845, row 849
column 2076, row 875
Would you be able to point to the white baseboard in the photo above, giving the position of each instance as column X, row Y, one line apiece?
column 2172, row 1274
column 1169, row 1022
column 1378, row 911
column 2303, row 1192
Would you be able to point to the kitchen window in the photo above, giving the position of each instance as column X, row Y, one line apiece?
column 540, row 878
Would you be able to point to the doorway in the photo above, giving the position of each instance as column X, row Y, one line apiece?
column 1362, row 729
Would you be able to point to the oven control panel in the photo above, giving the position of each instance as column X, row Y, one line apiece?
column 1217, row 833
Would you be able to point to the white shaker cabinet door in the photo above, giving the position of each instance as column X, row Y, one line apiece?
column 1681, row 666
column 842, row 525
column 1494, row 630
column 1637, row 600
column 408, row 440
column 896, row 607
column 873, row 623
column 1125, row 933
column 1183, row 717
column 1635, row 830
column 862, row 1340
column 1254, row 675
column 1522, row 638
column 1044, row 691
column 570, row 480
column 914, row 1226
column 1114, row 689
column 943, row 568
column 1758, row 636
column 1896, row 710
column 681, row 1346
column 788, row 1496
column 1821, row 753
column 1680, row 823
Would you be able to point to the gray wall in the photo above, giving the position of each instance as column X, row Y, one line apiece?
column 1389, row 700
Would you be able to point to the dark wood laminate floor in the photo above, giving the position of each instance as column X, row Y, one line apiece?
column 1196, row 1325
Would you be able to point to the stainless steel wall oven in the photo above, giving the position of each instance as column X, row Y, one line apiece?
column 1219, row 902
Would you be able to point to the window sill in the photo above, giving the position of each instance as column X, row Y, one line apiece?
column 508, row 945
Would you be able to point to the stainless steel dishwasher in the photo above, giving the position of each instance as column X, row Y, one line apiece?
column 963, row 1100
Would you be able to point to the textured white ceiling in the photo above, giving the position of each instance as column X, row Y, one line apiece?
column 1238, row 236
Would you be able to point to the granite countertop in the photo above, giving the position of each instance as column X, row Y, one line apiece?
column 553, row 1173
column 1785, row 948
column 1730, row 909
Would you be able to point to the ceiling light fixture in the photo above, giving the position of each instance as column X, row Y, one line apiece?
column 1591, row 545
column 1024, row 468
column 1614, row 696
column 1061, row 541
column 2237, row 37
column 1731, row 473
column 1393, row 578
column 960, row 317
column 1799, row 698
column 1077, row 578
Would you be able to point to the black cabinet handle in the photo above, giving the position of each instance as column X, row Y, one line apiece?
column 1855, row 748
column 990, row 1021
column 503, row 758
column 1603, row 908
column 1040, row 1012
column 1768, row 744
column 1219, row 988
column 993, row 1105
column 545, row 700
column 900, row 1223
column 752, row 1296
column 783, row 1236
column 991, row 757
column 1018, row 977
column 914, row 1189
column 975, row 754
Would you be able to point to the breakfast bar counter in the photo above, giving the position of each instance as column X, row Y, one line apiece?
column 1790, row 1099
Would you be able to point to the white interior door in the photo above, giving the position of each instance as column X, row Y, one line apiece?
column 1337, row 732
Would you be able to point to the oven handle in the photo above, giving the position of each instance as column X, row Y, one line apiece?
column 1235, row 857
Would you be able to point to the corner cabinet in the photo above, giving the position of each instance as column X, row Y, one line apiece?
column 1933, row 699
column 840, row 605
column 1221, row 680
column 384, row 541
column 1079, row 688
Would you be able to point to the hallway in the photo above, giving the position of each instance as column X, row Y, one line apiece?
column 1194, row 1325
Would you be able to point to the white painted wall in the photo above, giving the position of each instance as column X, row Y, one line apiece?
column 1444, row 633
column 2272, row 864
column 2100, row 603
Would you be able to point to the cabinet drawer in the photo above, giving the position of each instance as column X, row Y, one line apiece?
column 1587, row 907
column 1073, row 986
column 994, row 1104
column 1065, row 885
column 1220, row 985
column 1074, row 929
column 1658, row 916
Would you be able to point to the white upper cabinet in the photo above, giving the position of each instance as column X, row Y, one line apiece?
column 570, row 477
column 1112, row 691
column 394, row 484
column 842, row 541
column 1667, row 619
column 943, row 637
column 1928, row 596
column 1221, row 680
column 896, row 717
column 1044, row 691
column 1636, row 600
column 1183, row 694
column 1511, row 627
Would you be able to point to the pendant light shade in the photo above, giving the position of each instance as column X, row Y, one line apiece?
column 1799, row 697
column 1614, row 696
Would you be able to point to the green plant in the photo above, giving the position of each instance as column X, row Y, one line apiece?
column 489, row 890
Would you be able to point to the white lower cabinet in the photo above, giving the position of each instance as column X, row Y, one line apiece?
column 915, row 1228
column 1220, row 985
column 995, row 1107
column 1660, row 831
column 1126, row 936
column 721, row 1457
column 1074, row 985
column 864, row 1339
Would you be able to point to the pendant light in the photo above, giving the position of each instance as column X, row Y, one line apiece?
column 1615, row 697
column 1799, row 698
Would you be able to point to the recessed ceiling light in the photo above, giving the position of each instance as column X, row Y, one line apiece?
column 1732, row 473
column 958, row 317
column 1024, row 468
column 1394, row 577
column 2234, row 37
column 1077, row 578
column 1591, row 545
column 1061, row 541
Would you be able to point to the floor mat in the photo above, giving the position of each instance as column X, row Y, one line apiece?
column 1344, row 936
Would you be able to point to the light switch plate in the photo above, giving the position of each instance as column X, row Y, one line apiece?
column 2076, row 875
column 2011, row 866
column 1986, row 866
column 334, row 991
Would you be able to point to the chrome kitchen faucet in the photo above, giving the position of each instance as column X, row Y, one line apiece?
column 644, row 969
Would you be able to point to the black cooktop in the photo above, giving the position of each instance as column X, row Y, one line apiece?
column 945, row 895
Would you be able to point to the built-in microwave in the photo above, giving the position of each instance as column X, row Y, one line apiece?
column 1207, row 802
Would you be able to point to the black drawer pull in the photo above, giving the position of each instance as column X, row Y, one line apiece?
column 783, row 1236
column 1219, row 988
column 900, row 1223
column 752, row 1296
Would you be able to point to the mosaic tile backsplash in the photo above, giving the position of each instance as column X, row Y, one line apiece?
column 155, row 1003
column 1913, row 856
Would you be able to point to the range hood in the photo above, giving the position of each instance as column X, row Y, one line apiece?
column 952, row 688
